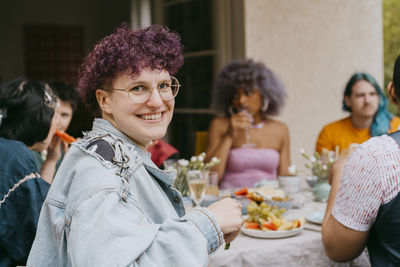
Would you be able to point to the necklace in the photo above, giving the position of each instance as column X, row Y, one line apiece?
column 258, row 125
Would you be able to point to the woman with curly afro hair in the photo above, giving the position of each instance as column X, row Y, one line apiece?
column 109, row 204
column 251, row 145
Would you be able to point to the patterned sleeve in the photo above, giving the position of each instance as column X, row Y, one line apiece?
column 360, row 193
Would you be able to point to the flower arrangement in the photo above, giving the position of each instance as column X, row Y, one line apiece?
column 182, row 166
column 319, row 164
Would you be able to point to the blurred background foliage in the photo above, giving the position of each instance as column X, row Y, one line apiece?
column 391, row 41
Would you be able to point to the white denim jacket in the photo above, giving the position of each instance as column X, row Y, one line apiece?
column 109, row 205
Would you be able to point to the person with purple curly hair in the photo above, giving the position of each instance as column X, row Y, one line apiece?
column 251, row 145
column 109, row 204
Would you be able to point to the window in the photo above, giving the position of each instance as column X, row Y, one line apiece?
column 206, row 28
column 192, row 20
column 53, row 52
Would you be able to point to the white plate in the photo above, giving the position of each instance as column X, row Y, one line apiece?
column 316, row 217
column 272, row 234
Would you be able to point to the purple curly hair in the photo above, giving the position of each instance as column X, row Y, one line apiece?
column 248, row 74
column 130, row 51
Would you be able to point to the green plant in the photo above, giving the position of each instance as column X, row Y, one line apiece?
column 319, row 164
column 391, row 39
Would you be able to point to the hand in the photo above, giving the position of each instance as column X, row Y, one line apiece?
column 239, row 122
column 54, row 149
column 231, row 236
column 228, row 214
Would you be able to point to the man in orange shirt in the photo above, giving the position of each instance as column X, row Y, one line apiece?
column 365, row 100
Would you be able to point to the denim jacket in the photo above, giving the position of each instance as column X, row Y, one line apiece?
column 22, row 193
column 109, row 205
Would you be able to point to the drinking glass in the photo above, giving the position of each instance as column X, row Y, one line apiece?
column 197, row 181
column 248, row 143
column 212, row 188
column 170, row 164
column 233, row 111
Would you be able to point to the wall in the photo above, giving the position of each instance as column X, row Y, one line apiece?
column 99, row 18
column 314, row 46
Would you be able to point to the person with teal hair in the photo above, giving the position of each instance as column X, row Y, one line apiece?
column 382, row 118
column 369, row 117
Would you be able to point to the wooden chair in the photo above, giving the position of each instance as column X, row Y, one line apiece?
column 201, row 140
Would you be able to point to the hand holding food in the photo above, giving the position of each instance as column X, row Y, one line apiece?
column 65, row 137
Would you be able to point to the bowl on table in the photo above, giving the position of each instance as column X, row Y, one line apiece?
column 290, row 184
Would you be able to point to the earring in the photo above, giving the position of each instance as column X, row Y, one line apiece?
column 231, row 110
column 264, row 106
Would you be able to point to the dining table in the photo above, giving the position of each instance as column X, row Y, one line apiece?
column 303, row 249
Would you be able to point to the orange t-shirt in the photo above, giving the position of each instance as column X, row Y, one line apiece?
column 342, row 133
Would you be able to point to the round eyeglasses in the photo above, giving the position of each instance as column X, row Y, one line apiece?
column 140, row 91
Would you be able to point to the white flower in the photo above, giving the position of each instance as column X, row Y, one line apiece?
column 183, row 162
column 302, row 151
column 201, row 157
column 292, row 169
column 324, row 167
column 313, row 159
column 193, row 159
column 214, row 160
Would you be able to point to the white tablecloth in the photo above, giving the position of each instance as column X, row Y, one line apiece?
column 305, row 249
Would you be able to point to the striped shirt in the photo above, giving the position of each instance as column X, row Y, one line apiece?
column 371, row 178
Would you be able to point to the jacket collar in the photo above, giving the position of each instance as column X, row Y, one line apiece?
column 103, row 126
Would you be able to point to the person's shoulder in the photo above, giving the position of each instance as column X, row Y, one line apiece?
column 338, row 123
column 220, row 119
column 394, row 124
column 12, row 145
column 219, row 123
column 13, row 149
column 379, row 146
column 279, row 125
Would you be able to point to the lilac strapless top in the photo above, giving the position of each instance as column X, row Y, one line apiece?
column 246, row 166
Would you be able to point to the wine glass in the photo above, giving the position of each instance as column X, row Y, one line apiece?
column 233, row 111
column 197, row 181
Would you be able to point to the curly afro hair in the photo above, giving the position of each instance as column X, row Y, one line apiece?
column 128, row 51
column 248, row 74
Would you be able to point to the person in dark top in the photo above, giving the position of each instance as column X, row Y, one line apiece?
column 27, row 122
column 364, row 202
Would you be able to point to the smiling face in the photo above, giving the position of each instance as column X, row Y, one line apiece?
column 364, row 99
column 142, row 122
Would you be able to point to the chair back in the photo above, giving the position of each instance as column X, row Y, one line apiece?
column 201, row 142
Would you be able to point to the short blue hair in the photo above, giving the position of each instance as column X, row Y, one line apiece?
column 382, row 118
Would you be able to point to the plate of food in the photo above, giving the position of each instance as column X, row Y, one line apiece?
column 315, row 217
column 271, row 234
column 266, row 221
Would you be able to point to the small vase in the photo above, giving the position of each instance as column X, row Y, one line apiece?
column 321, row 191
column 311, row 180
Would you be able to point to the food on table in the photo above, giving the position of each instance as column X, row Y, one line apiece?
column 270, row 192
column 242, row 192
column 65, row 137
column 265, row 217
column 265, row 192
column 286, row 198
